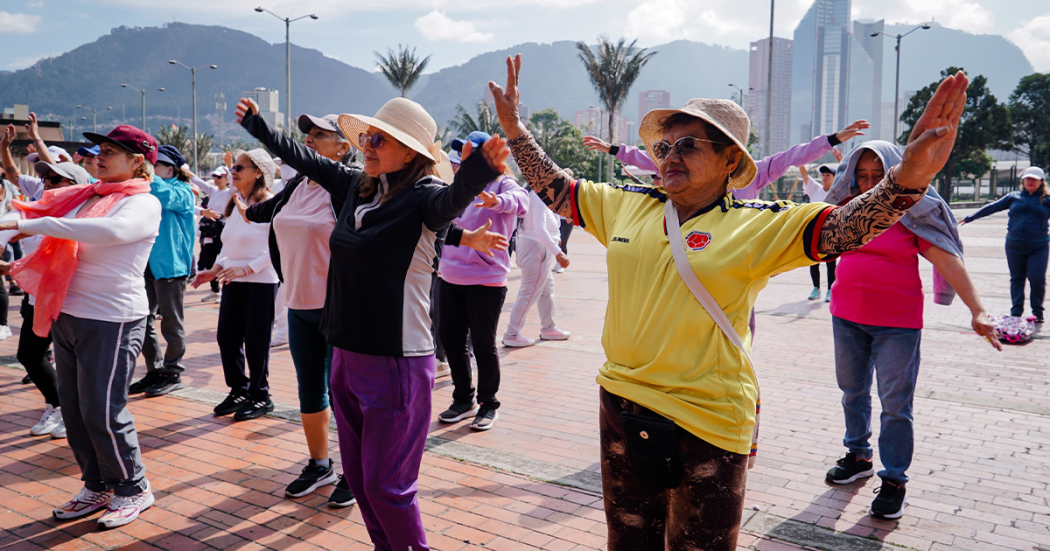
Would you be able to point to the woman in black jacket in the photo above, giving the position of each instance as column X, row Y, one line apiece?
column 376, row 310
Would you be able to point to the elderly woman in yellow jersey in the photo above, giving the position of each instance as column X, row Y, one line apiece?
column 678, row 397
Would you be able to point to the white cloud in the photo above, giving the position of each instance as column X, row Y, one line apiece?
column 18, row 23
column 1033, row 38
column 969, row 16
column 661, row 21
column 437, row 26
column 36, row 4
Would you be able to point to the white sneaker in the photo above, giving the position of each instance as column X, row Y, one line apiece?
column 443, row 370
column 124, row 509
column 517, row 341
column 51, row 418
column 83, row 504
column 5, row 332
column 555, row 335
column 558, row 269
column 278, row 342
column 210, row 297
column 59, row 432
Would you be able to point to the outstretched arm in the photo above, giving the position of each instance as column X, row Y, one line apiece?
column 933, row 137
column 8, row 162
column 954, row 271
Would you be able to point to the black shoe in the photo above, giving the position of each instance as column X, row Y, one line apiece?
column 1039, row 319
column 458, row 411
column 485, row 418
column 15, row 290
column 342, row 496
column 253, row 410
column 26, row 380
column 165, row 384
column 313, row 477
column 140, row 386
column 850, row 469
column 890, row 504
column 234, row 402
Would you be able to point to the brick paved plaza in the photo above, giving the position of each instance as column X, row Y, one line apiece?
column 979, row 479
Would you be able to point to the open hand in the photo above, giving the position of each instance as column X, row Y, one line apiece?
column 507, row 101
column 852, row 131
column 488, row 200
column 210, row 214
column 961, row 223
column 494, row 150
column 595, row 144
column 204, row 277
column 227, row 159
column 563, row 260
column 484, row 241
column 985, row 329
column 933, row 136
column 837, row 153
column 229, row 274
column 246, row 106
column 33, row 129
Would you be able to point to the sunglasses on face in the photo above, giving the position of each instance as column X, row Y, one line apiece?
column 687, row 144
column 374, row 140
column 55, row 179
column 238, row 168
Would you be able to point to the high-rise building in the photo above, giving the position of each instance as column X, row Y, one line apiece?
column 269, row 106
column 755, row 102
column 837, row 73
column 596, row 122
column 647, row 101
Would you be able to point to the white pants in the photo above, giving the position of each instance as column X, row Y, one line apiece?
column 537, row 285
column 280, row 317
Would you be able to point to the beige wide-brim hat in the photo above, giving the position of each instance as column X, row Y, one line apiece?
column 262, row 161
column 407, row 122
column 724, row 115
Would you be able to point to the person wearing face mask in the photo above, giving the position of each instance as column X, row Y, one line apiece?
column 877, row 318
column 1027, row 238
column 166, row 276
column 817, row 191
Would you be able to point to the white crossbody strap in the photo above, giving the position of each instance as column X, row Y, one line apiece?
column 703, row 296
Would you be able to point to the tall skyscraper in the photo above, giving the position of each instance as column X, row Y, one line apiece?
column 647, row 101
column 595, row 122
column 755, row 101
column 269, row 105
column 837, row 75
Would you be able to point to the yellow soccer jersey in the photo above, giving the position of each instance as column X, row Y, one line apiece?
column 664, row 351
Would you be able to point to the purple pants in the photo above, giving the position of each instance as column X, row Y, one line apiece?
column 382, row 410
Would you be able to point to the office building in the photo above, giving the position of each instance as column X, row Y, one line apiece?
column 755, row 101
column 269, row 106
column 595, row 122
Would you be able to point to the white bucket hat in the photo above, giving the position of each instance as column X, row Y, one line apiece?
column 724, row 115
column 407, row 122
column 262, row 161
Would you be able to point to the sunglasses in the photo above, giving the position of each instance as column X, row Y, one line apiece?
column 375, row 140
column 55, row 179
column 687, row 144
column 238, row 168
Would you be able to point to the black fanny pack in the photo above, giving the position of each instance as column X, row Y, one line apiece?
column 653, row 446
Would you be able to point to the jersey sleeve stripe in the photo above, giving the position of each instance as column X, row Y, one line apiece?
column 811, row 235
column 574, row 189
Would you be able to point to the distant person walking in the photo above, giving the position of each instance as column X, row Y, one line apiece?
column 817, row 190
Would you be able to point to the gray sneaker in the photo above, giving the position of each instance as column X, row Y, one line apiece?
column 458, row 411
column 124, row 509
column 485, row 418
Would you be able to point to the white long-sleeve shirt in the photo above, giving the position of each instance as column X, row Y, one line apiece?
column 814, row 189
column 217, row 198
column 108, row 284
column 540, row 224
column 247, row 244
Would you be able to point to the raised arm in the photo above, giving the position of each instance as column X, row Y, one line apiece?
column 33, row 130
column 10, row 168
column 626, row 154
column 549, row 181
column 446, row 203
column 774, row 166
column 933, row 137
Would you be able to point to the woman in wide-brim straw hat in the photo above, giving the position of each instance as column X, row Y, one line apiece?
column 675, row 388
column 376, row 312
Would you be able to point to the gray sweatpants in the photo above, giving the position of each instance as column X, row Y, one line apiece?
column 95, row 360
column 166, row 297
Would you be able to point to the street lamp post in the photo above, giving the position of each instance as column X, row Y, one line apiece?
column 897, row 94
column 193, row 71
column 287, row 64
column 769, row 87
column 741, row 91
column 94, row 118
column 143, row 92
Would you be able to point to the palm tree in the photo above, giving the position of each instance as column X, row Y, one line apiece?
column 182, row 139
column 485, row 120
column 613, row 70
column 401, row 68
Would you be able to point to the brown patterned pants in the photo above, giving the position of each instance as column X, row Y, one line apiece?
column 701, row 514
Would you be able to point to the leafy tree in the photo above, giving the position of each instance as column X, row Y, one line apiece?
column 182, row 139
column 464, row 123
column 613, row 70
column 563, row 142
column 752, row 139
column 1030, row 114
column 402, row 68
column 985, row 125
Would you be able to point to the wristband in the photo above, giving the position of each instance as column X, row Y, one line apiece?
column 613, row 150
column 833, row 139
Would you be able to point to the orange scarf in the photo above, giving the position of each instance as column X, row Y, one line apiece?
column 46, row 273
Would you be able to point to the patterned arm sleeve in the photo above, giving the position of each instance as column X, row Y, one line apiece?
column 550, row 182
column 865, row 217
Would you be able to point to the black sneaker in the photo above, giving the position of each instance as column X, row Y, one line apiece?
column 342, row 496
column 140, row 386
column 165, row 384
column 890, row 504
column 458, row 411
column 485, row 418
column 313, row 477
column 15, row 290
column 850, row 469
column 27, row 379
column 231, row 404
column 253, row 410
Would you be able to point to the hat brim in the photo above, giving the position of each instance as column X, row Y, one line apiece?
column 355, row 125
column 99, row 139
column 650, row 132
column 308, row 122
column 43, row 169
column 163, row 158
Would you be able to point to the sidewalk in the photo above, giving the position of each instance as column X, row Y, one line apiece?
column 979, row 478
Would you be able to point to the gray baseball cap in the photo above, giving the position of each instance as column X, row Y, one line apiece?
column 327, row 122
column 69, row 171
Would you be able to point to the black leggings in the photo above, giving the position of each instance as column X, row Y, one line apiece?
column 32, row 354
column 245, row 324
column 814, row 274
column 209, row 252
column 473, row 308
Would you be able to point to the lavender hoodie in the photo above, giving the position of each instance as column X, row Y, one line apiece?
column 769, row 168
column 465, row 266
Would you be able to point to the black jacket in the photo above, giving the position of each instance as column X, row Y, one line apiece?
column 379, row 278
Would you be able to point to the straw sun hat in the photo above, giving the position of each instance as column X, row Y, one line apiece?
column 407, row 122
column 724, row 115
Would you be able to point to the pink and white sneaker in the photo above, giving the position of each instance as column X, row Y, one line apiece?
column 555, row 335
column 517, row 341
column 83, row 504
column 124, row 509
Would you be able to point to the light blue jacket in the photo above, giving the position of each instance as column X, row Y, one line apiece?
column 172, row 253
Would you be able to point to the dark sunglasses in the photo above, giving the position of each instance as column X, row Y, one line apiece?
column 375, row 140
column 238, row 168
column 687, row 144
column 55, row 179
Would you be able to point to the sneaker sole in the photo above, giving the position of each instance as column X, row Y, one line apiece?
column 75, row 516
column 129, row 520
column 257, row 415
column 865, row 474
column 565, row 338
column 459, row 417
column 332, row 478
column 338, row 505
column 58, row 436
column 165, row 390
column 890, row 516
column 486, row 427
column 33, row 433
column 522, row 345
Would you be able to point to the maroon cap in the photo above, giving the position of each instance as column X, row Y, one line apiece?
column 129, row 138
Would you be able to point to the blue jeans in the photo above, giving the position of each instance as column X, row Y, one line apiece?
column 1027, row 261
column 312, row 357
column 893, row 354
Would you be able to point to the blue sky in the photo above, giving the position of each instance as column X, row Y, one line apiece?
column 455, row 31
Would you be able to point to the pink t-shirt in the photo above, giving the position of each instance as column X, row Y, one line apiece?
column 879, row 284
column 303, row 228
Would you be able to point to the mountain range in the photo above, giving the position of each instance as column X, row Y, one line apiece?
column 552, row 75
